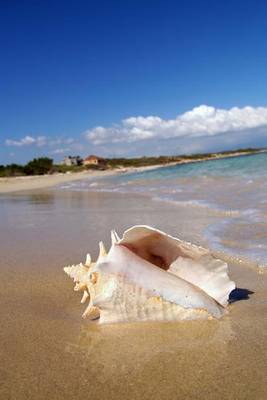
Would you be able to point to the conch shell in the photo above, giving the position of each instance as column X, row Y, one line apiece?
column 151, row 276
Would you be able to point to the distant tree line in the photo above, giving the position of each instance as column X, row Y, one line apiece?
column 37, row 166
column 41, row 166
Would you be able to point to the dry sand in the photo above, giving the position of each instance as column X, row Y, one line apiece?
column 22, row 183
column 15, row 184
column 49, row 352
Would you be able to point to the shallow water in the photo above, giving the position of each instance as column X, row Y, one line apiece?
column 232, row 189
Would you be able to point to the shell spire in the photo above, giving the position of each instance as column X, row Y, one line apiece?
column 114, row 237
column 88, row 260
column 102, row 252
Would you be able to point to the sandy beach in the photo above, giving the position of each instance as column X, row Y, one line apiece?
column 21, row 183
column 48, row 351
column 15, row 184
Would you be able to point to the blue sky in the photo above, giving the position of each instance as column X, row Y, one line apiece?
column 126, row 78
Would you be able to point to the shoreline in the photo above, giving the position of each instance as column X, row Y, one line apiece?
column 22, row 183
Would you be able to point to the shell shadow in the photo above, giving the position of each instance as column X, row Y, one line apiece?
column 239, row 294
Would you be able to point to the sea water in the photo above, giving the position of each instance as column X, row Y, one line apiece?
column 232, row 189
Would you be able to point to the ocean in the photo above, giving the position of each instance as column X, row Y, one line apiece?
column 231, row 190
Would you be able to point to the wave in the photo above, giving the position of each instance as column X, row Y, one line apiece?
column 251, row 253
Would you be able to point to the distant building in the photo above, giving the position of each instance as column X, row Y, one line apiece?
column 94, row 160
column 70, row 161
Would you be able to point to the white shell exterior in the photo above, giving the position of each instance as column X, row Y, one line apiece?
column 148, row 275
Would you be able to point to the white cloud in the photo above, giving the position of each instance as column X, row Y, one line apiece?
column 60, row 151
column 27, row 141
column 39, row 141
column 60, row 141
column 199, row 122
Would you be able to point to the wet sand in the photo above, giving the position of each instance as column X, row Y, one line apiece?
column 49, row 352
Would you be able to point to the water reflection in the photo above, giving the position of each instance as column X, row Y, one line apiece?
column 126, row 348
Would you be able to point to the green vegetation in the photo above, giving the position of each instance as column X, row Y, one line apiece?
column 44, row 165
column 11, row 170
column 142, row 161
column 58, row 168
column 38, row 166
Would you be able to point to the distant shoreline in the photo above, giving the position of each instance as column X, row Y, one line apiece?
column 23, row 183
column 218, row 156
